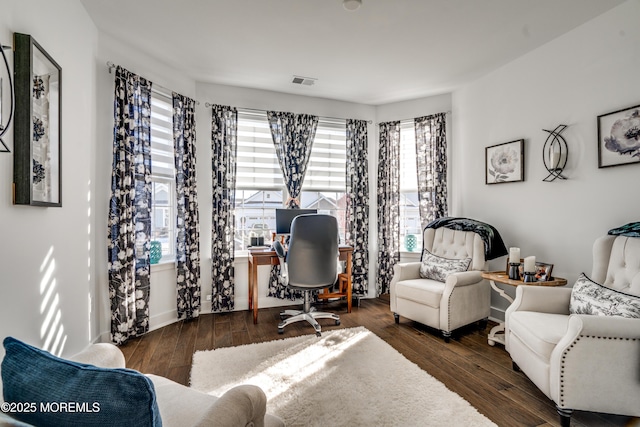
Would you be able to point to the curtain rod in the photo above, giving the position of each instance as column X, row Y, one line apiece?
column 111, row 66
column 208, row 104
column 448, row 113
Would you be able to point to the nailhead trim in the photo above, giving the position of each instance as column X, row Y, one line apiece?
column 564, row 357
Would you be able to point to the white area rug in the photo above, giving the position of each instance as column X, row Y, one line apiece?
column 348, row 377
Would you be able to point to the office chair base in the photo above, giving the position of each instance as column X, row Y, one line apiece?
column 310, row 316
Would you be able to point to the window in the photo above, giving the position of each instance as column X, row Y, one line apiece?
column 409, row 207
column 163, row 198
column 260, row 188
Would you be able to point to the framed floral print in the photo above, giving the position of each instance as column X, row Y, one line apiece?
column 504, row 162
column 619, row 137
column 37, row 136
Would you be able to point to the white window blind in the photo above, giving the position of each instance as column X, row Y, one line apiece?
column 327, row 164
column 256, row 164
column 162, row 163
column 408, row 168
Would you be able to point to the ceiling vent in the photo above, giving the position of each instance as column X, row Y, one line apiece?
column 307, row 81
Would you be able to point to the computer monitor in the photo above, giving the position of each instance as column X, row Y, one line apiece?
column 284, row 217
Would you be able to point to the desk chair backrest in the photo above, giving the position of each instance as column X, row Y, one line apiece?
column 313, row 251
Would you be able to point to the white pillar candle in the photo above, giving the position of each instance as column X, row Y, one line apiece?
column 555, row 159
column 514, row 255
column 530, row 264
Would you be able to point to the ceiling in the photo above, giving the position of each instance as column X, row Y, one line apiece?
column 386, row 51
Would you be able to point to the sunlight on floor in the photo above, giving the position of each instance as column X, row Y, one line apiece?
column 309, row 358
column 51, row 330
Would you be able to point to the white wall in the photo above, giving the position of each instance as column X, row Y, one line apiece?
column 590, row 71
column 52, row 248
column 263, row 100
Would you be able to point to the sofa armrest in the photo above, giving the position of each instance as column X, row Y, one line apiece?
column 541, row 299
column 464, row 278
column 406, row 271
column 244, row 405
column 402, row 271
column 103, row 355
column 598, row 356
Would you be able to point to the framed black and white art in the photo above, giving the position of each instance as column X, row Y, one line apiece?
column 37, row 136
column 504, row 162
column 619, row 137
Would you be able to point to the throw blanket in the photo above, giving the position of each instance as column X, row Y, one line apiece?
column 630, row 230
column 493, row 244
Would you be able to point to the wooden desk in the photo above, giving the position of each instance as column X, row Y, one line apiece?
column 266, row 256
column 497, row 332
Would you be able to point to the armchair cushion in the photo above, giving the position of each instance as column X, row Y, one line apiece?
column 540, row 332
column 92, row 395
column 438, row 268
column 589, row 297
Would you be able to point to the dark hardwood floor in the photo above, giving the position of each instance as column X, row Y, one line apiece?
column 467, row 365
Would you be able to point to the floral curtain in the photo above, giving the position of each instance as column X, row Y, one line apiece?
column 187, row 222
column 130, row 208
column 357, row 174
column 224, row 126
column 388, row 203
column 431, row 161
column 293, row 136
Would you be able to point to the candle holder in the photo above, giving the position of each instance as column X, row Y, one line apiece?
column 555, row 153
column 514, row 270
column 529, row 276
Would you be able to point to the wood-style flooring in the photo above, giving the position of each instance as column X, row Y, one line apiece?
column 467, row 365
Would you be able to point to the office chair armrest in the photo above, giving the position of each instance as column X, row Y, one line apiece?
column 277, row 246
column 284, row 271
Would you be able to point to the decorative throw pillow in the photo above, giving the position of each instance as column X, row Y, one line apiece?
column 438, row 268
column 589, row 297
column 47, row 390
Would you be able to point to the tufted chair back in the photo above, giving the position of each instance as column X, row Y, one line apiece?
column 448, row 243
column 616, row 263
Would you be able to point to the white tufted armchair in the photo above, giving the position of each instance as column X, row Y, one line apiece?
column 464, row 297
column 581, row 362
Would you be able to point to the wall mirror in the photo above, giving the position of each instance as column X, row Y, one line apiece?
column 37, row 125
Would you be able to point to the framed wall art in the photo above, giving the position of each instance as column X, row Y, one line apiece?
column 504, row 162
column 619, row 137
column 37, row 127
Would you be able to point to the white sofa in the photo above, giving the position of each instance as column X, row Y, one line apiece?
column 464, row 297
column 182, row 406
column 580, row 361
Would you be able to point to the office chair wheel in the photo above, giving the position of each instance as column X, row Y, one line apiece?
column 283, row 316
column 337, row 322
column 318, row 334
column 281, row 330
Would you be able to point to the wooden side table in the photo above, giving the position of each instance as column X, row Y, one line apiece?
column 497, row 332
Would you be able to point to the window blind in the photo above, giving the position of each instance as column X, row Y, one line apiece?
column 408, row 168
column 257, row 165
column 162, row 162
column 327, row 164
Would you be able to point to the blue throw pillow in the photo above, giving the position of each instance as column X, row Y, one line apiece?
column 45, row 390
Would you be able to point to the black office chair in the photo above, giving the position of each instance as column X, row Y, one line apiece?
column 311, row 263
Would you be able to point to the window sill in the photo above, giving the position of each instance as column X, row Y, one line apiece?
column 163, row 265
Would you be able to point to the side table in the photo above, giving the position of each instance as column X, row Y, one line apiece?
column 497, row 332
